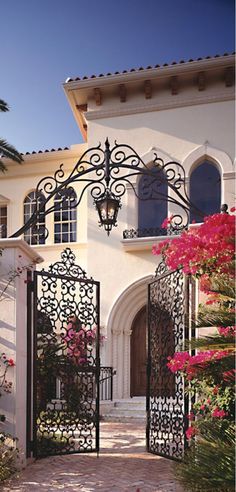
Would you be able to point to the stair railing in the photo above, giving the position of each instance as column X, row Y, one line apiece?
column 106, row 382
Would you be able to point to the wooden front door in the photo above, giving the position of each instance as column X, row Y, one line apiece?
column 139, row 354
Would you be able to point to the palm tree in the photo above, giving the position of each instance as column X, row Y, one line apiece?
column 7, row 150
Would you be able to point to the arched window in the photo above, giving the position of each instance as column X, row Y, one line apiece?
column 205, row 190
column 65, row 220
column 32, row 235
column 152, row 208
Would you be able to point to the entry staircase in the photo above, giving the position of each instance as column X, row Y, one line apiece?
column 125, row 409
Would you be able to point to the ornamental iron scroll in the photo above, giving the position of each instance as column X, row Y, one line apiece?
column 110, row 171
column 66, row 355
column 168, row 328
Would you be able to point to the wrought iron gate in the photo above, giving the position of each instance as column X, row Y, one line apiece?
column 171, row 308
column 66, row 360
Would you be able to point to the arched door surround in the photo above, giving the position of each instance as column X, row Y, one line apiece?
column 119, row 327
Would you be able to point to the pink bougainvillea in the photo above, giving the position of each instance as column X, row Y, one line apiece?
column 191, row 432
column 192, row 365
column 227, row 331
column 219, row 413
column 202, row 249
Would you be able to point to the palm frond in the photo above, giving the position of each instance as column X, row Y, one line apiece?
column 8, row 151
column 212, row 317
column 3, row 106
column 211, row 342
column 209, row 465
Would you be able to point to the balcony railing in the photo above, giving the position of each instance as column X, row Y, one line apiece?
column 151, row 232
column 147, row 232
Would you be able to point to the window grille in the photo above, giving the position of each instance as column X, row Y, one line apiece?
column 152, row 207
column 36, row 234
column 65, row 217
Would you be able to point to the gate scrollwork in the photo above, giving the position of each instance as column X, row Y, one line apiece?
column 66, row 351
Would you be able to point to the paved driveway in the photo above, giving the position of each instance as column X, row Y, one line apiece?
column 123, row 465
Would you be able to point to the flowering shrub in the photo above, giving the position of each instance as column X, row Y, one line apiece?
column 204, row 249
column 207, row 252
column 79, row 343
column 8, row 452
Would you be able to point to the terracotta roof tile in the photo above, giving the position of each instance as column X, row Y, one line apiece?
column 149, row 67
column 43, row 151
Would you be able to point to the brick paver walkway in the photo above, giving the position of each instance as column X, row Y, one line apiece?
column 123, row 466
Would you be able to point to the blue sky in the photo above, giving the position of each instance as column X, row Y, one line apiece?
column 45, row 41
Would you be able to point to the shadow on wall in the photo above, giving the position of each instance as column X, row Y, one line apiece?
column 177, row 132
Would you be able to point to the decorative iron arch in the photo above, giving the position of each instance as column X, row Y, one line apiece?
column 107, row 172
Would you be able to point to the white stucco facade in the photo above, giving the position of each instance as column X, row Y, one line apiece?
column 189, row 127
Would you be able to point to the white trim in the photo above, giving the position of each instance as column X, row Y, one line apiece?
column 21, row 244
column 120, row 320
column 205, row 151
column 142, row 243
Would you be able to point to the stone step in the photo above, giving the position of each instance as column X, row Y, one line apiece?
column 133, row 405
column 118, row 417
column 125, row 409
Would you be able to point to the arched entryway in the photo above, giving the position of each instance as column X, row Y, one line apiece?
column 138, row 354
column 119, row 330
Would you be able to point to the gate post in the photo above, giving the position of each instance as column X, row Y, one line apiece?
column 17, row 257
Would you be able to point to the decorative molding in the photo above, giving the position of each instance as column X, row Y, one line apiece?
column 147, row 107
column 229, row 76
column 201, row 81
column 148, row 89
column 174, row 85
column 82, row 107
column 205, row 151
column 98, row 96
column 123, row 312
column 122, row 93
column 231, row 175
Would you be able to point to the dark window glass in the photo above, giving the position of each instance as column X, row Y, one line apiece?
column 152, row 208
column 205, row 190
column 3, row 221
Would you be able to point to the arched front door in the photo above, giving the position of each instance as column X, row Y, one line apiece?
column 139, row 354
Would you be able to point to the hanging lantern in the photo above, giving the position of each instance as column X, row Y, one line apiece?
column 107, row 206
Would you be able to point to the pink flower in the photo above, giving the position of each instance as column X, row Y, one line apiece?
column 229, row 376
column 178, row 361
column 232, row 209
column 11, row 362
column 191, row 432
column 166, row 222
column 217, row 412
column 203, row 249
column 226, row 331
